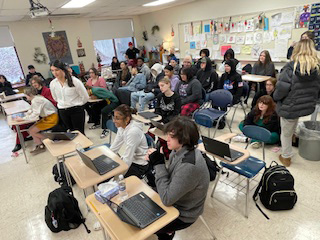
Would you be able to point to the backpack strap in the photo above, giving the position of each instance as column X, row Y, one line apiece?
column 255, row 198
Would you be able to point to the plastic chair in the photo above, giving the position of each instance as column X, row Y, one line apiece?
column 110, row 125
column 206, row 116
column 242, row 99
column 257, row 133
column 207, row 226
column 248, row 168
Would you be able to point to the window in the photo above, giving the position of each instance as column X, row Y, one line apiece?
column 9, row 64
column 109, row 48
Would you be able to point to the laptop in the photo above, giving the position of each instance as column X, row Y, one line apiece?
column 16, row 115
column 55, row 136
column 157, row 125
column 221, row 149
column 139, row 210
column 148, row 115
column 100, row 165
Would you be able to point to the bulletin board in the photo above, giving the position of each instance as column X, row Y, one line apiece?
column 247, row 34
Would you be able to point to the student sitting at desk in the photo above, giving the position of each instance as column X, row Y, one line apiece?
column 105, row 107
column 269, row 90
column 184, row 183
column 264, row 115
column 43, row 108
column 38, row 84
column 5, row 86
column 131, row 134
column 32, row 72
column 122, row 77
column 95, row 80
column 207, row 75
column 174, row 79
column 229, row 54
column 190, row 91
column 231, row 80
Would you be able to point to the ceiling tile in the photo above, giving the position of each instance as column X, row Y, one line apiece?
column 10, row 18
column 15, row 12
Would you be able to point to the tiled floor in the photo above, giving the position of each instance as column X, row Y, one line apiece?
column 25, row 188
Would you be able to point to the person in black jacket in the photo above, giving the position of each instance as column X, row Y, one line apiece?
column 32, row 72
column 207, row 76
column 264, row 115
column 232, row 81
column 115, row 65
column 269, row 90
column 305, row 35
column 203, row 53
column 5, row 86
column 297, row 92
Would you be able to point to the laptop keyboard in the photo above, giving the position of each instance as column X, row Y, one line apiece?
column 139, row 211
column 235, row 154
column 102, row 166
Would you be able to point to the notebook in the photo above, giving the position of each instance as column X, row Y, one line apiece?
column 60, row 136
column 148, row 115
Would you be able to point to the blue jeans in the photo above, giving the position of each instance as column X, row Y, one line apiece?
column 141, row 97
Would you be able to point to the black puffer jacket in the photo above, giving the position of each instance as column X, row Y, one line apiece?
column 208, row 77
column 296, row 95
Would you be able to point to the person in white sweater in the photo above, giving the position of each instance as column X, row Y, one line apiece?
column 40, row 108
column 131, row 134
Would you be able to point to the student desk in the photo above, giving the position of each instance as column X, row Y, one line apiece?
column 12, row 122
column 61, row 148
column 12, row 97
column 84, row 176
column 15, row 107
column 157, row 132
column 119, row 230
column 255, row 78
column 139, row 118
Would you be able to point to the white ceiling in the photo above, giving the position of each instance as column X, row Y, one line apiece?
column 15, row 10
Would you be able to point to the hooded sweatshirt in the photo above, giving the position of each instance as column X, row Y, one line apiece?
column 157, row 74
column 208, row 77
column 135, row 141
column 145, row 70
column 190, row 92
column 232, row 82
column 237, row 63
column 296, row 94
column 136, row 83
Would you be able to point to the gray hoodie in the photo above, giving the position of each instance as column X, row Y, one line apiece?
column 184, row 184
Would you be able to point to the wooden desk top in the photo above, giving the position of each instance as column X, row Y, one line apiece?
column 12, row 122
column 15, row 107
column 119, row 230
column 86, row 177
column 64, row 147
column 139, row 118
column 255, row 78
column 12, row 97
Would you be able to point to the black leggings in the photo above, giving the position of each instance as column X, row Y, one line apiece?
column 73, row 118
column 168, row 232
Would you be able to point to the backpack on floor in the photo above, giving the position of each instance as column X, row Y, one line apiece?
column 61, row 180
column 62, row 211
column 276, row 189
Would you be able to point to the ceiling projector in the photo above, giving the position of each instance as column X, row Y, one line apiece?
column 39, row 12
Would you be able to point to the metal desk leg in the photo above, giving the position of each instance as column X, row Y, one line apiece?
column 66, row 172
column 22, row 142
column 58, row 166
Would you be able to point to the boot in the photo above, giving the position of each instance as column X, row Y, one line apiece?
column 16, row 148
column 285, row 161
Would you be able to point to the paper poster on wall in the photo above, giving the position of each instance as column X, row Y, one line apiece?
column 249, row 38
column 203, row 43
column 197, row 29
column 231, row 39
column 246, row 50
column 215, row 39
column 198, row 44
column 255, row 51
column 281, row 48
column 257, row 38
column 186, row 33
column 250, row 26
column 276, row 20
column 224, row 49
column 275, row 33
column 287, row 17
column 240, row 39
column 302, row 16
column 285, row 32
column 267, row 37
column 233, row 28
column 207, row 28
column 236, row 49
column 202, row 37
column 192, row 45
column 272, row 55
column 222, row 38
column 240, row 26
column 215, row 47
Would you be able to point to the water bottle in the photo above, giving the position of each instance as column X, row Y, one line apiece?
column 122, row 188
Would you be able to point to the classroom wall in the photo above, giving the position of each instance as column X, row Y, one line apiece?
column 205, row 9
column 27, row 36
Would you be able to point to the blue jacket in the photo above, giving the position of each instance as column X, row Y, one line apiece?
column 136, row 83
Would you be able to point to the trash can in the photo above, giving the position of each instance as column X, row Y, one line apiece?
column 309, row 140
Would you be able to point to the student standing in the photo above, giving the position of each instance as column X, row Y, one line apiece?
column 297, row 92
column 184, row 183
column 95, row 80
column 130, row 133
column 207, row 75
column 132, row 52
column 70, row 94
column 305, row 35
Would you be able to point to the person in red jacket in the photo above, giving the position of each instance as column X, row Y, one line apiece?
column 38, row 84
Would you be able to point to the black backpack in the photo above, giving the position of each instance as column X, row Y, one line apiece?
column 276, row 189
column 61, row 180
column 62, row 211
column 212, row 167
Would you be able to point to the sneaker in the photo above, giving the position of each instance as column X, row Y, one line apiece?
column 256, row 145
column 17, row 148
column 94, row 126
column 240, row 138
column 29, row 138
column 90, row 121
column 96, row 226
column 38, row 149
column 285, row 161
column 104, row 133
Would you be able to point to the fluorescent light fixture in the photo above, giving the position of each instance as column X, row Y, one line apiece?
column 157, row 3
column 77, row 3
